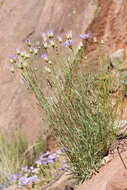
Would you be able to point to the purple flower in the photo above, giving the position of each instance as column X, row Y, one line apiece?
column 27, row 40
column 33, row 178
column 44, row 154
column 13, row 57
column 68, row 43
column 25, row 168
column 64, row 161
column 24, row 180
column 50, row 161
column 44, row 162
column 60, row 169
column 38, row 162
column 85, row 36
column 27, row 180
column 45, row 57
column 63, row 167
column 53, row 157
column 42, row 158
column 53, row 173
column 15, row 177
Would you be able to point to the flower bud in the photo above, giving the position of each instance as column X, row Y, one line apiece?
column 12, row 70
column 69, row 35
column 18, row 51
column 35, row 51
column 52, row 43
column 59, row 39
column 95, row 40
column 45, row 45
column 102, row 42
column 50, row 34
column 44, row 37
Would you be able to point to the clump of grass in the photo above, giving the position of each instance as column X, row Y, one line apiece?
column 77, row 105
column 15, row 153
column 11, row 154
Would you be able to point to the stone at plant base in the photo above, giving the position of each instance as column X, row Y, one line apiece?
column 109, row 176
column 118, row 180
column 121, row 125
column 117, row 59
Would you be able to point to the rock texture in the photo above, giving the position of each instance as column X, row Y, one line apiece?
column 110, row 24
column 112, row 176
column 22, row 19
column 118, row 181
column 117, row 58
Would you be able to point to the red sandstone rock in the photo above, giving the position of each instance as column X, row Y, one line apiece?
column 112, row 176
column 118, row 181
column 19, row 20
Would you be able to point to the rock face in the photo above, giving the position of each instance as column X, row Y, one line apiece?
column 22, row 19
column 118, row 181
column 110, row 24
column 112, row 176
column 117, row 58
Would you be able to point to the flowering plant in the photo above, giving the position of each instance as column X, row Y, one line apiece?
column 77, row 104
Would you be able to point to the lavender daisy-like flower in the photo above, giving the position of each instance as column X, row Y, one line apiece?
column 15, row 177
column 69, row 35
column 53, row 173
column 33, row 179
column 44, row 154
column 24, row 180
column 85, row 36
column 42, row 158
column 45, row 57
column 38, row 162
column 25, row 168
column 13, row 57
column 63, row 167
column 68, row 43
column 52, row 158
column 45, row 162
